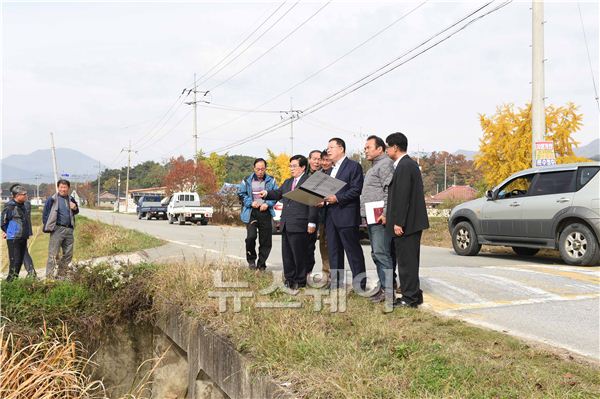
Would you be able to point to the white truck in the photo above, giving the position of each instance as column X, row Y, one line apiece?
column 185, row 207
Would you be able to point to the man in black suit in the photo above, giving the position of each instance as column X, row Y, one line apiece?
column 298, row 221
column 406, row 219
column 343, row 217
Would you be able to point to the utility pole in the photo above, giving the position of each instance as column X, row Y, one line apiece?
column 292, row 114
column 538, row 112
column 445, row 173
column 54, row 161
column 119, row 193
column 129, row 151
column 195, row 104
column 98, row 200
column 37, row 186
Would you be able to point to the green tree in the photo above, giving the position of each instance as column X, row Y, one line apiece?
column 218, row 164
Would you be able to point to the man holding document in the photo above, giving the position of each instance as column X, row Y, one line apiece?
column 373, row 206
column 343, row 217
column 298, row 221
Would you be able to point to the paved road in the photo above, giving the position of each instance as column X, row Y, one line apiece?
column 535, row 298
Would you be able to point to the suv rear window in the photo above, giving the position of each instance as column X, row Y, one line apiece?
column 585, row 174
column 553, row 183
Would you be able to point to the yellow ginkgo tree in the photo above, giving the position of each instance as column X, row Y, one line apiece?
column 505, row 147
column 279, row 166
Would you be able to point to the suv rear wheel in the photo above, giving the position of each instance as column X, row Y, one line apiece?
column 464, row 239
column 524, row 251
column 578, row 245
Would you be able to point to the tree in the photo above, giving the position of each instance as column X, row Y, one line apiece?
column 238, row 167
column 218, row 164
column 506, row 144
column 279, row 166
column 459, row 170
column 110, row 184
column 187, row 175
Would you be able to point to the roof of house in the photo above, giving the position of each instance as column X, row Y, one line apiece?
column 454, row 193
column 149, row 190
column 107, row 195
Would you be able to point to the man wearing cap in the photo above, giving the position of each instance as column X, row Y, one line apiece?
column 59, row 220
column 16, row 226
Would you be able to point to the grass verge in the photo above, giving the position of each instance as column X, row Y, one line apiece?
column 366, row 353
column 92, row 239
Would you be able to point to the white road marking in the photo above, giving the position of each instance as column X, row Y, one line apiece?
column 517, row 286
column 236, row 257
column 467, row 294
column 488, row 305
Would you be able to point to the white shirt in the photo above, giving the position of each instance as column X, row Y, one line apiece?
column 336, row 167
column 397, row 161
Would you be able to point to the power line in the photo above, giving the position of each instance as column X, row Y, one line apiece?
column 371, row 77
column 275, row 45
column 243, row 41
column 235, row 109
column 588, row 56
column 251, row 44
column 318, row 71
column 159, row 138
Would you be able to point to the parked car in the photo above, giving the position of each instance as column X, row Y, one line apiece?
column 151, row 207
column 278, row 208
column 555, row 207
column 185, row 207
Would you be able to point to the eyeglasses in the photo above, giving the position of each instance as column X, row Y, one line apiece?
column 260, row 169
column 294, row 166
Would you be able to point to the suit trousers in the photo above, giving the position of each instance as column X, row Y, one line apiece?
column 408, row 252
column 340, row 240
column 293, row 251
column 312, row 241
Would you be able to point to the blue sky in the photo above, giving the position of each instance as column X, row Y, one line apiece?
column 101, row 74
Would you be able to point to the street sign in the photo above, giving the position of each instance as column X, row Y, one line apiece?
column 544, row 153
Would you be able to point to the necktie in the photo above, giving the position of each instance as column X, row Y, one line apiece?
column 293, row 184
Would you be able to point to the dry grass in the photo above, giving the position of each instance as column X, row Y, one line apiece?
column 56, row 366
column 51, row 367
column 369, row 354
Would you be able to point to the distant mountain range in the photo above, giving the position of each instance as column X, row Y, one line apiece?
column 77, row 166
column 72, row 164
column 590, row 150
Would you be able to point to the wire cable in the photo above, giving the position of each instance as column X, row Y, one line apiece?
column 588, row 56
column 370, row 77
column 251, row 44
column 243, row 41
column 402, row 17
column 272, row 47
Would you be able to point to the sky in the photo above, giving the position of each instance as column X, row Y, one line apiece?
column 101, row 74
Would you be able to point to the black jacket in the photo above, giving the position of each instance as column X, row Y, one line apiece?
column 406, row 200
column 295, row 216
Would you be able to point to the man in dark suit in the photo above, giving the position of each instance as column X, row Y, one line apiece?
column 343, row 217
column 298, row 221
column 406, row 219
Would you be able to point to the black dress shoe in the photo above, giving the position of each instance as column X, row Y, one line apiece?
column 252, row 266
column 399, row 303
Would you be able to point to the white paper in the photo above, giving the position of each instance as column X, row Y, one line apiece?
column 370, row 210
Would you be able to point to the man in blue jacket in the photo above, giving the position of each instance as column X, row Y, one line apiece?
column 257, row 214
column 16, row 225
column 59, row 220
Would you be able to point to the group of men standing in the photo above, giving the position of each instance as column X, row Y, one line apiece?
column 394, row 178
column 58, row 219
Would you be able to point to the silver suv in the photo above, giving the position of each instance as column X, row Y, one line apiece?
column 554, row 207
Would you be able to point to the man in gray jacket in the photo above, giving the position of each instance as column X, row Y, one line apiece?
column 375, row 188
column 59, row 220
